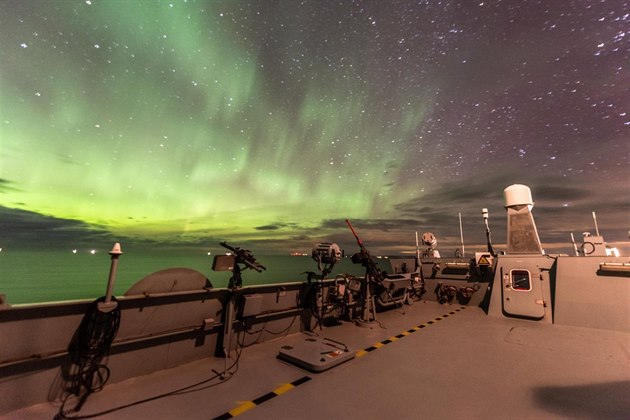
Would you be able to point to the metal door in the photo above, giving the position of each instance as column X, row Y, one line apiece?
column 522, row 293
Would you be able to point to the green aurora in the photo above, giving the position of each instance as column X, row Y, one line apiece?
column 189, row 121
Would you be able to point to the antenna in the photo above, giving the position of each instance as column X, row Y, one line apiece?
column 461, row 234
column 108, row 305
column 418, row 246
column 484, row 214
column 596, row 228
column 575, row 248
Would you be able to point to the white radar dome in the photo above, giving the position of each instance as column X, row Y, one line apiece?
column 518, row 195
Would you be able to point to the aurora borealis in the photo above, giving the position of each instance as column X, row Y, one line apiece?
column 268, row 123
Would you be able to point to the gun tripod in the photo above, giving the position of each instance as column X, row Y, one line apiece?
column 368, row 307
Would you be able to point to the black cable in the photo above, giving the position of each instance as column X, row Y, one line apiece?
column 264, row 329
column 90, row 345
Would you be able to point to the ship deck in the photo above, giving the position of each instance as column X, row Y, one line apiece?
column 424, row 360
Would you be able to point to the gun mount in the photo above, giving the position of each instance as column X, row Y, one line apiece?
column 233, row 262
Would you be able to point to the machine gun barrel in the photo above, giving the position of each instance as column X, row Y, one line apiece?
column 366, row 258
column 244, row 256
column 355, row 235
column 230, row 247
column 254, row 265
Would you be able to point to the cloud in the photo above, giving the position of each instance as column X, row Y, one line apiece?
column 277, row 226
column 268, row 227
column 33, row 230
column 6, row 185
column 550, row 193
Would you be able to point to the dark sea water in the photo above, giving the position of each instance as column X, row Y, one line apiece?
column 44, row 276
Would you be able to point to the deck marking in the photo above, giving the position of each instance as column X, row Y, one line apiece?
column 248, row 405
column 283, row 388
column 361, row 353
column 264, row 398
column 243, row 407
column 301, row 380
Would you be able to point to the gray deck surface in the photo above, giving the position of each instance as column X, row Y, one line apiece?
column 465, row 365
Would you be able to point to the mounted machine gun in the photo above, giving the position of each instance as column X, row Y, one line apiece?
column 233, row 261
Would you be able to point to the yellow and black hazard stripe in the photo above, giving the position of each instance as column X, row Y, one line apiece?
column 248, row 405
column 389, row 340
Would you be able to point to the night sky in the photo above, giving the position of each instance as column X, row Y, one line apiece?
column 268, row 123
